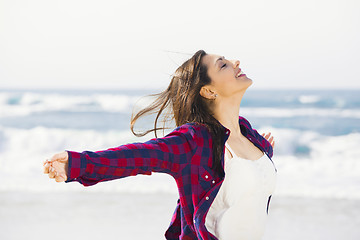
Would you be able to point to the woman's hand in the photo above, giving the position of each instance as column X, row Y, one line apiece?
column 270, row 139
column 57, row 166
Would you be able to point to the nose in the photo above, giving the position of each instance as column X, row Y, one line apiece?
column 236, row 63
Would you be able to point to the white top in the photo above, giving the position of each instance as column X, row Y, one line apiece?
column 238, row 211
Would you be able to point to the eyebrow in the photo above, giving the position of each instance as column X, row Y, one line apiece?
column 220, row 58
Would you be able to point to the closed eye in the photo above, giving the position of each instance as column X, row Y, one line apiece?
column 223, row 65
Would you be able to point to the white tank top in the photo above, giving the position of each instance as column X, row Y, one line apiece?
column 238, row 211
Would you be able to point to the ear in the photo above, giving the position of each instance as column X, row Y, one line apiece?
column 207, row 93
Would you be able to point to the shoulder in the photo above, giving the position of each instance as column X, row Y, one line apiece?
column 249, row 130
column 252, row 131
column 193, row 131
column 243, row 121
column 192, row 126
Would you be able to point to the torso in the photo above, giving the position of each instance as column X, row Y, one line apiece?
column 239, row 209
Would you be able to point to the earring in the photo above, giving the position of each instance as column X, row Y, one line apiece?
column 215, row 96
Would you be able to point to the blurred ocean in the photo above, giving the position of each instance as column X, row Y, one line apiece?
column 317, row 136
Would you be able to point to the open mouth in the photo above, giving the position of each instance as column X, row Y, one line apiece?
column 240, row 74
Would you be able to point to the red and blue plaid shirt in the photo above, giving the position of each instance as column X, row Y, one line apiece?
column 185, row 154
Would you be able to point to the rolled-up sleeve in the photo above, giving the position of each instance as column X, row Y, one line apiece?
column 167, row 155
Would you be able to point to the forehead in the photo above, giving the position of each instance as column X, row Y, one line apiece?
column 210, row 60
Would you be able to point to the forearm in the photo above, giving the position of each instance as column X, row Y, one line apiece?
column 89, row 168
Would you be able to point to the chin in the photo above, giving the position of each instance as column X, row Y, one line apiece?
column 245, row 83
column 250, row 82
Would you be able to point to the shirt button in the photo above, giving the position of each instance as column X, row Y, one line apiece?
column 206, row 176
column 207, row 198
column 213, row 181
column 227, row 132
column 194, row 221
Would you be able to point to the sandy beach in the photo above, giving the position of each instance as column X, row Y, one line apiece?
column 89, row 215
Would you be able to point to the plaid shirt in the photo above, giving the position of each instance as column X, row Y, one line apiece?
column 185, row 154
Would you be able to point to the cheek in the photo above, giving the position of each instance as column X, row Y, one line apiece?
column 225, row 82
column 225, row 85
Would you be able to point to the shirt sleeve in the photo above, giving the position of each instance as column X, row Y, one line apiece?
column 263, row 141
column 166, row 155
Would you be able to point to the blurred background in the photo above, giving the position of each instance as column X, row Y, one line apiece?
column 72, row 72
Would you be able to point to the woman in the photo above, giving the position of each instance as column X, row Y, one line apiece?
column 222, row 167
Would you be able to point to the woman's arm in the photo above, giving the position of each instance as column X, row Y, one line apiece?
column 165, row 155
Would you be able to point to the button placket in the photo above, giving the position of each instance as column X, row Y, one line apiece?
column 206, row 176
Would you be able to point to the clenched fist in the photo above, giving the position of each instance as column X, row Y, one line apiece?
column 57, row 166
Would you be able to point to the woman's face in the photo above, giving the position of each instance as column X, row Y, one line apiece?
column 226, row 77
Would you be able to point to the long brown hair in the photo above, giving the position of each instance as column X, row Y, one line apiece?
column 185, row 104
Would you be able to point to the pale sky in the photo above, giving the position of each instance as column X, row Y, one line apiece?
column 116, row 44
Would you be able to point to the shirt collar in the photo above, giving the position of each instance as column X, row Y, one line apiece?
column 227, row 131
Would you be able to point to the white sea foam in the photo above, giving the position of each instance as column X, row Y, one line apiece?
column 309, row 99
column 29, row 102
column 330, row 167
column 299, row 112
column 308, row 163
column 23, row 151
column 12, row 104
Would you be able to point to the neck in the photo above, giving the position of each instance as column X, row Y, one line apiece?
column 226, row 111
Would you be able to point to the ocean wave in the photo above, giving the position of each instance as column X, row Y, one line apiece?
column 27, row 103
column 314, row 165
column 12, row 104
column 300, row 112
column 308, row 163
column 306, row 99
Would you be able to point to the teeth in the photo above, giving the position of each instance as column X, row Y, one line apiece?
column 241, row 72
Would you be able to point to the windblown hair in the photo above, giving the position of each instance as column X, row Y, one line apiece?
column 186, row 104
